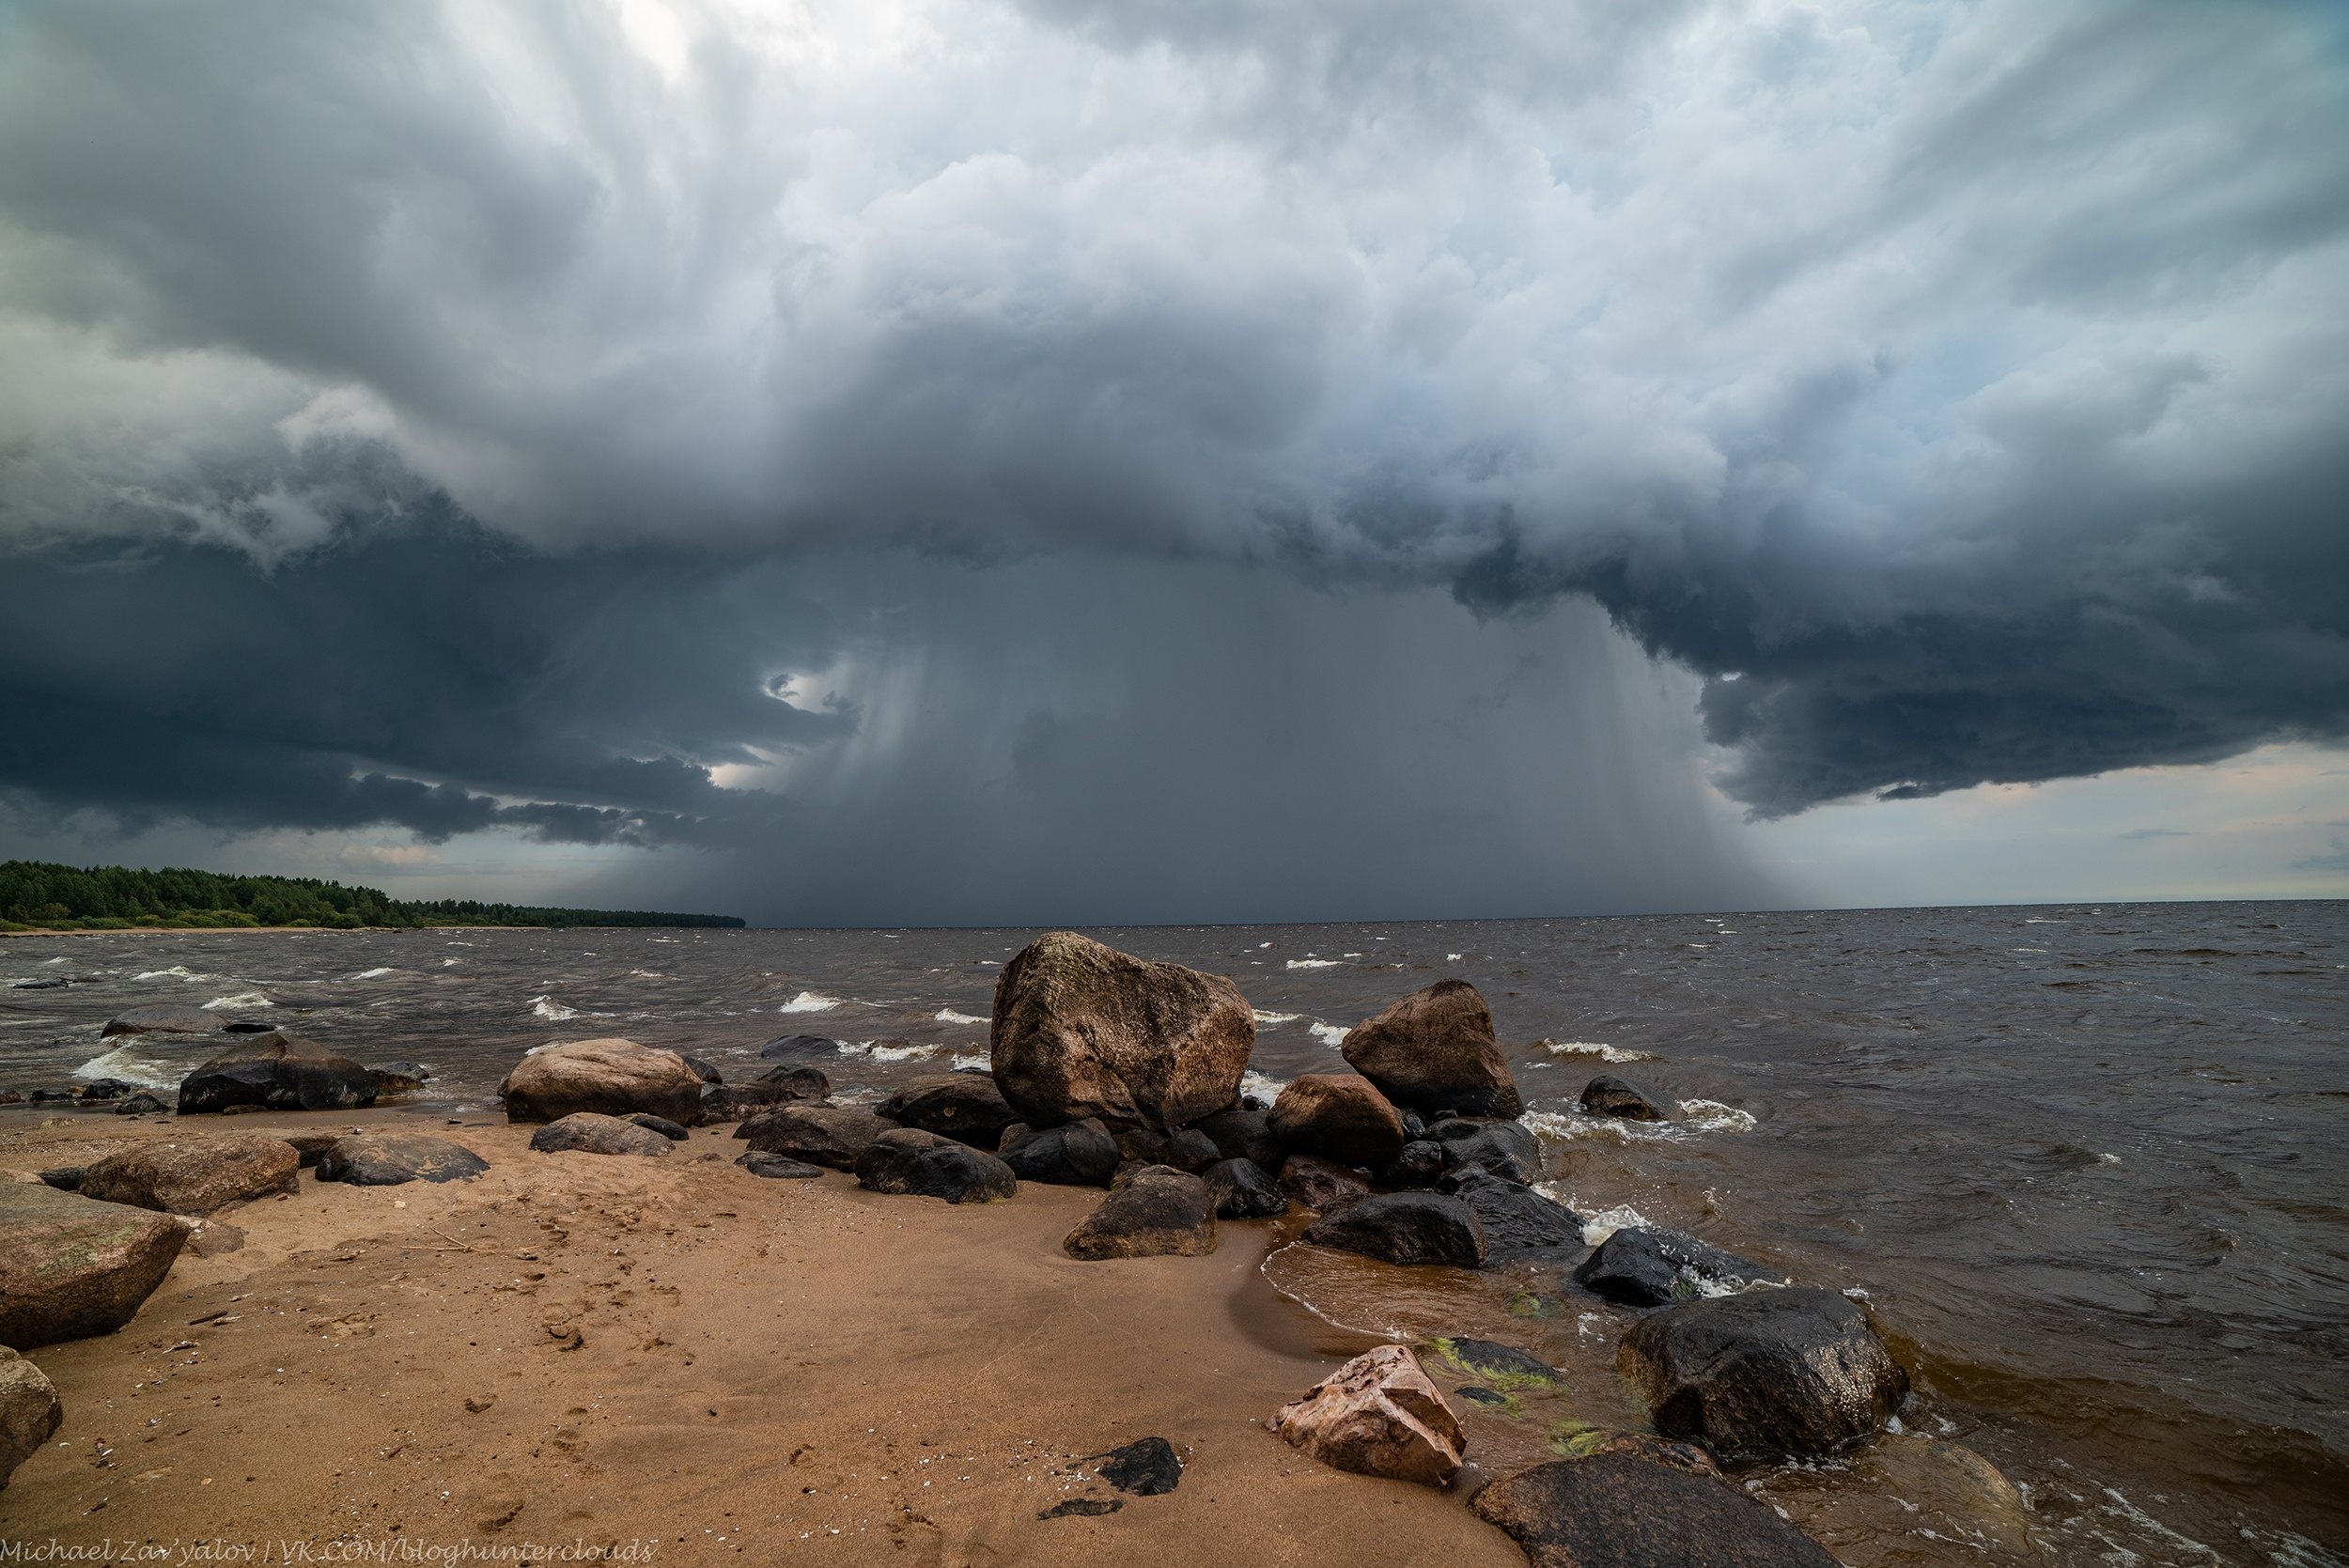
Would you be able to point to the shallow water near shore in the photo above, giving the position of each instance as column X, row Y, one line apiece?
column 2085, row 1163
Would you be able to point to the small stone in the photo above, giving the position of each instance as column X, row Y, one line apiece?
column 1083, row 1508
column 1378, row 1415
column 29, row 1412
column 1147, row 1468
column 661, row 1125
column 781, row 1167
column 1609, row 1095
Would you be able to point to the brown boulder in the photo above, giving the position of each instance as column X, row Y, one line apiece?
column 1082, row 1030
column 29, row 1412
column 1615, row 1511
column 1378, row 1415
column 827, row 1134
column 611, row 1077
column 586, row 1132
column 196, row 1176
column 1154, row 1212
column 71, row 1267
column 1339, row 1116
column 1435, row 1050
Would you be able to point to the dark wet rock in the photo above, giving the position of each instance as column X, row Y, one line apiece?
column 1516, row 1218
column 1655, row 1450
column 1147, row 1468
column 1241, row 1190
column 1323, row 1186
column 1156, row 1211
column 932, row 1165
column 1435, row 1050
column 607, row 1077
column 400, row 1077
column 966, row 1107
column 10, row 1096
column 277, row 1071
column 1185, row 1149
column 1418, row 1165
column 1508, row 1149
column 58, row 984
column 1339, row 1116
column 1084, row 1030
column 800, row 1048
column 781, row 1167
column 1083, row 1508
column 1610, row 1096
column 589, row 1132
column 798, row 1082
column 394, row 1158
column 1615, row 1511
column 701, row 1069
column 1504, row 1366
column 64, row 1178
column 42, row 1096
column 731, row 1102
column 100, row 1089
column 246, row 1025
column 312, row 1146
column 29, row 1412
column 196, row 1177
column 1643, row 1266
column 828, row 1135
column 1075, row 1153
column 71, row 1267
column 163, row 1020
column 1378, row 1415
column 1413, row 1128
column 1244, row 1134
column 1253, row 1102
column 661, row 1125
column 1475, row 1394
column 1770, row 1374
column 1405, row 1228
column 142, row 1103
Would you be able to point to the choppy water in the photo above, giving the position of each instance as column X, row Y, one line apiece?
column 2089, row 1165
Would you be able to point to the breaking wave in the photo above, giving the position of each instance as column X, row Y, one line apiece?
column 1593, row 1047
column 238, row 998
column 947, row 1014
column 810, row 1001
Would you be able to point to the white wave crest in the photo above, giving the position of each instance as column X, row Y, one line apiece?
column 810, row 1001
column 1699, row 1119
column 1314, row 964
column 974, row 1059
column 374, row 973
column 133, row 1066
column 1597, row 1227
column 1269, row 1019
column 176, row 972
column 1263, row 1086
column 882, row 1050
column 238, row 998
column 550, row 1010
column 947, row 1014
column 1330, row 1034
column 649, row 974
column 1593, row 1047
column 1455, row 957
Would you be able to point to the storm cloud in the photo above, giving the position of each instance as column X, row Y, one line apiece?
column 534, row 403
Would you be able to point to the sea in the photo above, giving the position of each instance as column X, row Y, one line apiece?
column 2088, row 1166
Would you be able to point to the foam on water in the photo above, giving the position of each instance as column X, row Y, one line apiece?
column 810, row 1001
column 374, row 973
column 880, row 1051
column 947, row 1014
column 133, row 1065
column 1330, row 1034
column 550, row 1010
column 176, row 972
column 1270, row 1020
column 1315, row 963
column 1263, row 1086
column 1699, row 1118
column 1597, row 1227
column 979, row 1059
column 238, row 998
column 1593, row 1047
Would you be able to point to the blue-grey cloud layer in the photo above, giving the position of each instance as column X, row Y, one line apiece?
column 1956, row 389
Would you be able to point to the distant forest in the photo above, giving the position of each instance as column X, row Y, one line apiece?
column 34, row 896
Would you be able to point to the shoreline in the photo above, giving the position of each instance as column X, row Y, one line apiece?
column 335, row 930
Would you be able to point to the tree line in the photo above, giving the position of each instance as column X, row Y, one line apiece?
column 39, row 896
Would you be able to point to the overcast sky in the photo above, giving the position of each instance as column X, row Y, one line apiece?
column 943, row 462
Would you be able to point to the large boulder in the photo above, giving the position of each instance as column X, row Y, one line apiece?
column 587, row 1132
column 1082, row 1030
column 1516, row 1218
column 1642, row 1266
column 71, row 1267
column 1507, row 1149
column 965, row 1107
column 1435, row 1050
column 29, row 1412
column 1339, row 1116
column 1619, row 1097
column 394, row 1158
column 1075, row 1153
column 1772, row 1375
column 1241, row 1190
column 163, row 1020
column 196, row 1176
column 1405, row 1228
column 930, row 1165
column 609, row 1077
column 1618, row 1511
column 1154, row 1212
column 277, row 1071
column 1378, row 1415
column 828, row 1135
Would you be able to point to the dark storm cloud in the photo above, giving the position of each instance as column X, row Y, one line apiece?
column 1956, row 390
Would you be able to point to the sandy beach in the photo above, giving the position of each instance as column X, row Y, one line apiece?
column 671, row 1357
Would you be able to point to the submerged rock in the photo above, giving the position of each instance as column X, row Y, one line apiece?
column 1378, row 1415
column 1435, row 1050
column 1504, row 1366
column 1610, row 1096
column 1082, row 1030
column 198, row 1176
column 277, row 1071
column 163, row 1020
column 1154, row 1212
column 1773, row 1374
column 827, row 1134
column 1075, row 1153
column 966, row 1107
column 29, row 1412
column 1644, row 1266
column 929, row 1165
column 778, row 1166
column 1405, row 1228
column 1516, row 1218
column 1615, row 1511
column 1147, row 1468
column 394, row 1158
column 1241, row 1190
column 1339, row 1116
column 71, row 1267
column 608, row 1077
column 1321, row 1185
column 589, row 1132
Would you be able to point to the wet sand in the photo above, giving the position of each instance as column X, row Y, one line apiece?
column 673, row 1358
